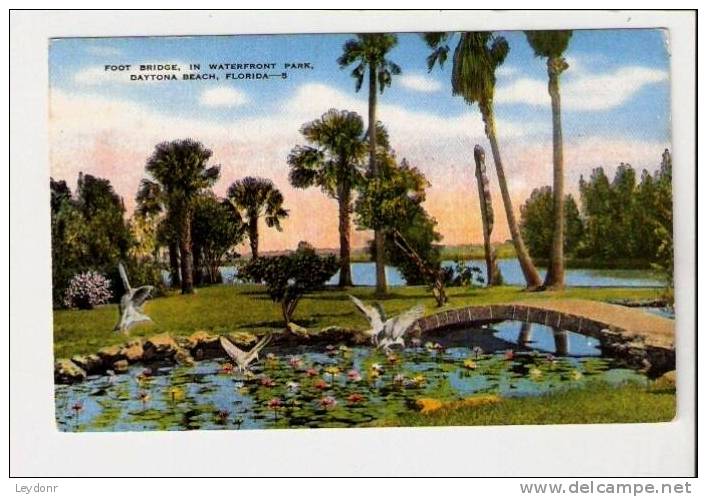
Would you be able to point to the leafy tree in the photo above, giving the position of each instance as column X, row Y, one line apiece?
column 392, row 204
column 626, row 219
column 180, row 174
column 665, row 257
column 216, row 230
column 537, row 225
column 369, row 52
column 69, row 232
column 333, row 164
column 89, row 232
column 290, row 277
column 60, row 193
column 552, row 46
column 421, row 235
column 254, row 198
column 476, row 58
column 152, row 202
column 595, row 194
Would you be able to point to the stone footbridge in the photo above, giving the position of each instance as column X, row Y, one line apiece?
column 644, row 340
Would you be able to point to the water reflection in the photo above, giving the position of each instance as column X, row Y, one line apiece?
column 548, row 339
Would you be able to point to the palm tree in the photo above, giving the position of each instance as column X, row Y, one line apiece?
column 333, row 165
column 256, row 198
column 180, row 174
column 151, row 201
column 368, row 52
column 476, row 58
column 552, row 45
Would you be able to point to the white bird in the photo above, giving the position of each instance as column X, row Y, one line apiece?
column 395, row 328
column 241, row 358
column 386, row 332
column 375, row 316
column 131, row 303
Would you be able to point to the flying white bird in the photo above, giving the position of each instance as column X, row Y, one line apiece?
column 386, row 332
column 241, row 358
column 131, row 303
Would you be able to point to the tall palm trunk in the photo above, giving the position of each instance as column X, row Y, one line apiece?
column 532, row 278
column 253, row 236
column 555, row 277
column 378, row 238
column 185, row 251
column 175, row 279
column 493, row 273
column 345, row 237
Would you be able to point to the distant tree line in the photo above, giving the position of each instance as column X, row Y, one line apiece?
column 622, row 221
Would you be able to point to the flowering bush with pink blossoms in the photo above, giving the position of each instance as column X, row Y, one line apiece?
column 87, row 290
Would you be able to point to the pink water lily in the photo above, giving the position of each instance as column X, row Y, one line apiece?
column 311, row 372
column 295, row 361
column 355, row 398
column 266, row 381
column 321, row 384
column 327, row 402
column 509, row 355
column 275, row 403
column 353, row 375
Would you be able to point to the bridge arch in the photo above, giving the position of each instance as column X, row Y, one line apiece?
column 644, row 341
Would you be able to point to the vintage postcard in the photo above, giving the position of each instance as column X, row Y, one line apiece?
column 362, row 230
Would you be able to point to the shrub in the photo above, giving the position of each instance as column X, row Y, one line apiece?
column 289, row 277
column 87, row 290
column 463, row 274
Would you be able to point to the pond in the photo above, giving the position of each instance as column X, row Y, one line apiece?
column 338, row 386
column 364, row 274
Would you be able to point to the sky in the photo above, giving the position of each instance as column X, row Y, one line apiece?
column 615, row 108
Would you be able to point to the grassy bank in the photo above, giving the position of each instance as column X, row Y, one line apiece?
column 595, row 404
column 225, row 308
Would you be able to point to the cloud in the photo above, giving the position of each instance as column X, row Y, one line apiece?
column 420, row 82
column 583, row 91
column 223, row 96
column 112, row 138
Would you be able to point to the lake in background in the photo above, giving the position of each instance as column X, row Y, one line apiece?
column 364, row 274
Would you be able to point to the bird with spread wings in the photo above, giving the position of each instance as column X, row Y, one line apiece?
column 242, row 358
column 131, row 302
column 386, row 332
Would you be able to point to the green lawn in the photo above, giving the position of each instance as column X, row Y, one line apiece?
column 226, row 308
column 596, row 404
